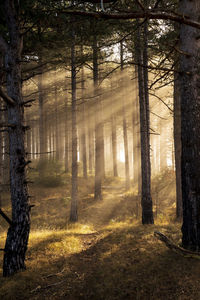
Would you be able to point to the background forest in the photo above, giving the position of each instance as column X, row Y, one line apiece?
column 97, row 148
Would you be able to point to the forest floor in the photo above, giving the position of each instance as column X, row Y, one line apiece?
column 108, row 254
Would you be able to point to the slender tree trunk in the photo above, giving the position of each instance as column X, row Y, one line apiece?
column 113, row 134
column 18, row 232
column 114, row 144
column 74, row 192
column 102, row 137
column 28, row 137
column 91, row 144
column 66, row 136
column 147, row 211
column 41, row 122
column 125, row 135
column 190, row 126
column 98, row 128
column 83, row 125
column 136, row 138
column 41, row 113
column 177, row 145
column 56, row 121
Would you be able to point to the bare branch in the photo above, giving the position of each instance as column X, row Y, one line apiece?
column 150, row 14
column 25, row 103
column 161, row 101
column 157, row 115
column 8, row 220
column 6, row 98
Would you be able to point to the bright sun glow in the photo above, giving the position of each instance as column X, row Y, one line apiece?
column 121, row 155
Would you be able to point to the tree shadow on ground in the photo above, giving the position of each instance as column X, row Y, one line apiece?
column 128, row 263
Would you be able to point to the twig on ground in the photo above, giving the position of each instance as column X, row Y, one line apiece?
column 39, row 287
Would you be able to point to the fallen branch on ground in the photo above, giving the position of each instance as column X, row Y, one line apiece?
column 174, row 247
column 47, row 286
column 55, row 274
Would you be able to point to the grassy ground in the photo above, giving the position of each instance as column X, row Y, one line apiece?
column 108, row 254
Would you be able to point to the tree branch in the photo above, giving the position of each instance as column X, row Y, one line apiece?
column 151, row 94
column 6, row 98
column 150, row 14
column 8, row 220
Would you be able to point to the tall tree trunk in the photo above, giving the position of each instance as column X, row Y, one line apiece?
column 18, row 232
column 113, row 133
column 83, row 125
column 41, row 112
column 114, row 144
column 41, row 122
column 57, row 141
column 177, row 145
column 90, row 140
column 6, row 175
column 136, row 138
column 74, row 192
column 98, row 128
column 66, row 135
column 190, row 126
column 146, row 201
column 1, row 158
column 125, row 135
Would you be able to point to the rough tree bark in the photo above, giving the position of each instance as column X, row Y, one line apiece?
column 146, row 201
column 177, row 145
column 18, row 232
column 190, row 125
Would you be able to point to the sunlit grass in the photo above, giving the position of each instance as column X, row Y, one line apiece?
column 108, row 254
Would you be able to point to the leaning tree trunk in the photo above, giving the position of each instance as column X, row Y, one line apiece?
column 146, row 201
column 74, row 192
column 190, row 125
column 18, row 232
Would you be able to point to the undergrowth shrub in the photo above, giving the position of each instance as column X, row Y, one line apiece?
column 47, row 173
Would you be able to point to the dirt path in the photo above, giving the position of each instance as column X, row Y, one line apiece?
column 84, row 265
column 102, row 212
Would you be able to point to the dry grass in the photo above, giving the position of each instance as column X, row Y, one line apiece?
column 107, row 255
